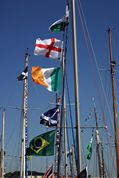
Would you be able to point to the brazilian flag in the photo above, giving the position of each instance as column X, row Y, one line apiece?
column 42, row 145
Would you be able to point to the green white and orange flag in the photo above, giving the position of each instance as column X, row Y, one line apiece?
column 47, row 77
column 50, row 48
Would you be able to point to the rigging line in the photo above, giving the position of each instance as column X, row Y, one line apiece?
column 88, row 49
column 95, row 59
column 109, row 138
column 17, row 147
column 113, row 167
column 18, row 108
column 69, row 150
column 71, row 118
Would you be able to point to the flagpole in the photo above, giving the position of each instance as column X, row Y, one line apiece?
column 62, row 117
column 23, row 165
column 76, row 88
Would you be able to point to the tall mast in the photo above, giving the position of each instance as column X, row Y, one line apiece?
column 97, row 144
column 2, row 147
column 75, row 59
column 65, row 138
column 103, row 168
column 112, row 65
column 23, row 169
column 62, row 117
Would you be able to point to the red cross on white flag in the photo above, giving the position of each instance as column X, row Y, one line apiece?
column 49, row 48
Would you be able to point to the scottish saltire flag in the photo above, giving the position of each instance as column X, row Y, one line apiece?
column 50, row 48
column 42, row 145
column 49, row 118
column 23, row 75
column 89, row 149
column 49, row 173
column 47, row 77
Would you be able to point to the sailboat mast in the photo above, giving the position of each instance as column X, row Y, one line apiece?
column 23, row 170
column 76, row 87
column 112, row 65
column 97, row 143
column 103, row 168
column 65, row 138
column 2, row 147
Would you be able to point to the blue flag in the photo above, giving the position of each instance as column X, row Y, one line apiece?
column 49, row 118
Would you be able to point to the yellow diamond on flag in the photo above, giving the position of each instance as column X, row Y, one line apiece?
column 38, row 144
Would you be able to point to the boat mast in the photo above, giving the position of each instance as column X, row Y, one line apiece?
column 103, row 166
column 2, row 147
column 77, row 106
column 97, row 144
column 24, row 167
column 112, row 65
column 65, row 138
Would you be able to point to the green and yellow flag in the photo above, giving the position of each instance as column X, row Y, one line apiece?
column 42, row 145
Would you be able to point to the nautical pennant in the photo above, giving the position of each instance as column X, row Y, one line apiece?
column 50, row 48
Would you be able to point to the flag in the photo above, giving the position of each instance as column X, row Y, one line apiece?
column 49, row 173
column 69, row 153
column 49, row 48
column 83, row 173
column 42, row 145
column 89, row 149
column 47, row 77
column 59, row 25
column 23, row 75
column 49, row 118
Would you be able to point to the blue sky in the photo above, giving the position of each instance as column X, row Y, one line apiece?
column 21, row 23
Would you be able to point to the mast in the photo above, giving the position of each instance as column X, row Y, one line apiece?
column 112, row 65
column 103, row 168
column 2, row 147
column 97, row 142
column 77, row 106
column 23, row 168
column 62, row 117
column 65, row 138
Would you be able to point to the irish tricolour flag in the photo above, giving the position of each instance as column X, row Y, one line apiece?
column 47, row 77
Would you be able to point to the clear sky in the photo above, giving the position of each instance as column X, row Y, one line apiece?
column 21, row 23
